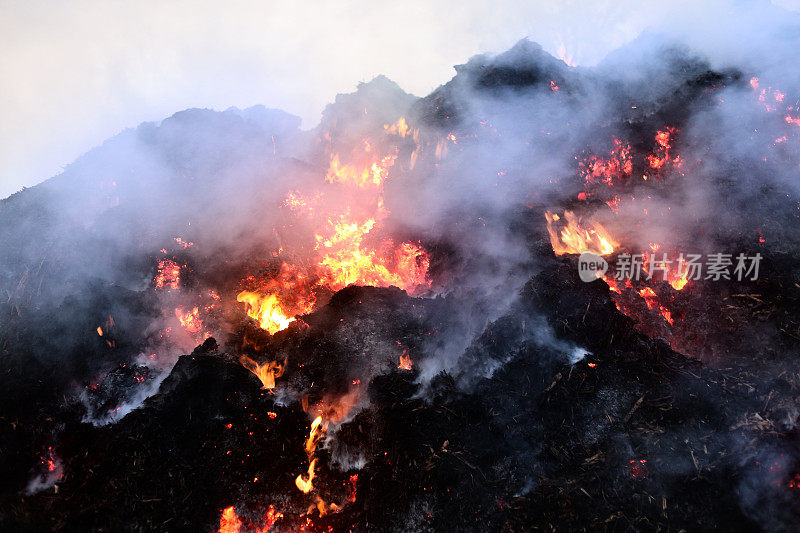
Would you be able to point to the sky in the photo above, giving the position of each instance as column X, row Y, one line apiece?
column 73, row 74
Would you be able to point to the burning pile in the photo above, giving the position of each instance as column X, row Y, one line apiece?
column 395, row 327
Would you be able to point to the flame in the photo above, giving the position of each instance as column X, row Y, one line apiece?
column 306, row 483
column 266, row 372
column 190, row 320
column 565, row 56
column 314, row 435
column 275, row 304
column 398, row 128
column 619, row 164
column 574, row 239
column 651, row 299
column 405, row 361
column 266, row 310
column 406, row 267
column 229, row 521
column 360, row 177
column 349, row 247
column 679, row 283
column 168, row 276
column 270, row 517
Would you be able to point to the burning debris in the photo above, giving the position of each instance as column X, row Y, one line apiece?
column 387, row 322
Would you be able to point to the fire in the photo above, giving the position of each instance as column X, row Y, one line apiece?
column 183, row 244
column 679, row 282
column 406, row 266
column 306, row 483
column 637, row 468
column 266, row 372
column 398, row 128
column 360, row 177
column 266, row 310
column 405, row 361
column 349, row 247
column 574, row 239
column 168, row 276
column 190, row 320
column 275, row 304
column 229, row 521
column 662, row 154
column 606, row 170
column 651, row 299
column 564, row 56
column 270, row 517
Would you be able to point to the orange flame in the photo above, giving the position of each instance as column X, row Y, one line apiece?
column 190, row 320
column 348, row 245
column 306, row 483
column 276, row 303
column 679, row 283
column 405, row 361
column 398, row 128
column 364, row 177
column 574, row 239
column 270, row 517
column 169, row 274
column 266, row 372
column 266, row 310
column 229, row 521
column 651, row 299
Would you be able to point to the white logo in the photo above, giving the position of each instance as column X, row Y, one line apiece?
column 591, row 266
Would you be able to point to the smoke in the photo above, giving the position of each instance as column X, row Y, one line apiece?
column 488, row 152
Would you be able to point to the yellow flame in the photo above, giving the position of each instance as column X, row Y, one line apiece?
column 405, row 361
column 574, row 239
column 266, row 372
column 306, row 483
column 398, row 128
column 266, row 309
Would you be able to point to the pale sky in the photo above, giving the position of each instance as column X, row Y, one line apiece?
column 73, row 74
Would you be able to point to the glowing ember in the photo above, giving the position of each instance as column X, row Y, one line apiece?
column 270, row 517
column 637, row 468
column 574, row 239
column 619, row 164
column 183, row 244
column 651, row 299
column 190, row 320
column 168, row 276
column 662, row 154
